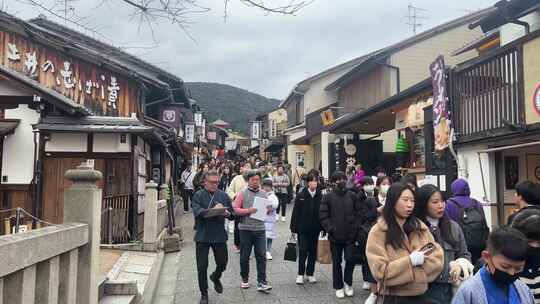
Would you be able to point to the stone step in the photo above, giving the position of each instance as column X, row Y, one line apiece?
column 127, row 299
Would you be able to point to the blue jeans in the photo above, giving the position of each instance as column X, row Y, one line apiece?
column 257, row 241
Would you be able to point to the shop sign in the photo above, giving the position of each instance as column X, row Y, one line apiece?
column 256, row 130
column 536, row 99
column 441, row 117
column 190, row 133
column 64, row 76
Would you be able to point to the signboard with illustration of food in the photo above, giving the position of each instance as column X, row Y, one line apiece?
column 441, row 119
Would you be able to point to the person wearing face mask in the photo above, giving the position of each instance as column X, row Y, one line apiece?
column 383, row 184
column 497, row 282
column 429, row 208
column 340, row 216
column 369, row 218
column 528, row 222
column 402, row 253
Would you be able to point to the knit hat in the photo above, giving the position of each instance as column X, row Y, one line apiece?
column 267, row 182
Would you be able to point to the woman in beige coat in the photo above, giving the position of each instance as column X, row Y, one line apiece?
column 401, row 252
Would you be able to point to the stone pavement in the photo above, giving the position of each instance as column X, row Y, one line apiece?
column 281, row 275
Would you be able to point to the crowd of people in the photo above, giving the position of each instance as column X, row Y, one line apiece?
column 413, row 244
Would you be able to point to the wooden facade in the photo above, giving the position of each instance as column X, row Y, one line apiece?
column 89, row 84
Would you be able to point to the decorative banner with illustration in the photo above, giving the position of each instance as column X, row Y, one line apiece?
column 441, row 117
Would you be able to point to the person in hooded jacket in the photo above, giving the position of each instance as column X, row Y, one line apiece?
column 305, row 223
column 454, row 209
column 340, row 217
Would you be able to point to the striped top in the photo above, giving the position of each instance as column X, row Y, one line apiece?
column 531, row 277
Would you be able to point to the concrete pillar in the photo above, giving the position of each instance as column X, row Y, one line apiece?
column 48, row 281
column 82, row 204
column 1, row 290
column 164, row 192
column 67, row 291
column 28, row 286
column 150, row 213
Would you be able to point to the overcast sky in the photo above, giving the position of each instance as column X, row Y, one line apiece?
column 265, row 54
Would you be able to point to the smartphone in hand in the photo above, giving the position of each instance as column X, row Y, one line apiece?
column 428, row 249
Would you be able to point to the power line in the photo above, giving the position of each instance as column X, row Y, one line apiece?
column 414, row 16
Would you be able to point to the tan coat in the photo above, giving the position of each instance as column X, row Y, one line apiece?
column 401, row 278
column 297, row 174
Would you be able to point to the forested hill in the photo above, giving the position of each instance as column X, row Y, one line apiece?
column 234, row 105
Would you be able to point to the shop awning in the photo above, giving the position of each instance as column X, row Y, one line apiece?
column 8, row 126
column 93, row 124
column 273, row 148
column 380, row 117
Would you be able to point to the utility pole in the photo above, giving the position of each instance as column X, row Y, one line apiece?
column 415, row 14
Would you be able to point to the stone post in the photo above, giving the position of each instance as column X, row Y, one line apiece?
column 82, row 204
column 163, row 192
column 150, row 214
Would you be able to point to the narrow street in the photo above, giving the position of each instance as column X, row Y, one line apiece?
column 281, row 275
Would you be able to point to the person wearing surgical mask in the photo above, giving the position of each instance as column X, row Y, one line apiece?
column 528, row 222
column 383, row 184
column 340, row 215
column 497, row 282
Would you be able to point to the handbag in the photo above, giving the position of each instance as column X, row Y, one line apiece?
column 354, row 253
column 324, row 254
column 291, row 250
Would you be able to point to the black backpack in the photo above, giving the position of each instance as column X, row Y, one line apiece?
column 474, row 226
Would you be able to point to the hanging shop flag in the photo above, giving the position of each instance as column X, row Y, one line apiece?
column 256, row 130
column 441, row 117
column 190, row 133
column 327, row 117
column 212, row 135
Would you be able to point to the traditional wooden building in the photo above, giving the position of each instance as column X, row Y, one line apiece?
column 66, row 99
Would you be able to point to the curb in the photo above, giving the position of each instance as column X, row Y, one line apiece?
column 151, row 284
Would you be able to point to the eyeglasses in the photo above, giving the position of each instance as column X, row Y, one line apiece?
column 213, row 182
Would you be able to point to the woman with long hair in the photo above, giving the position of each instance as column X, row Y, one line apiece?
column 402, row 253
column 225, row 177
column 429, row 208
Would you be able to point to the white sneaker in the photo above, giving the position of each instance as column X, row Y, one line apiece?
column 349, row 291
column 366, row 286
column 312, row 279
column 283, row 219
column 268, row 255
column 300, row 280
column 372, row 299
column 340, row 294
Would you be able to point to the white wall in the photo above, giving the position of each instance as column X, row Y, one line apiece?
column 511, row 32
column 18, row 154
column 110, row 142
column 316, row 97
column 470, row 162
column 67, row 142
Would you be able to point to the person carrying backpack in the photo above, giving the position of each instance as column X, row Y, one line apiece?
column 469, row 214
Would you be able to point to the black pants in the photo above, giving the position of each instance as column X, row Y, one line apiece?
column 201, row 254
column 255, row 240
column 236, row 234
column 283, row 201
column 405, row 300
column 187, row 195
column 307, row 250
column 338, row 275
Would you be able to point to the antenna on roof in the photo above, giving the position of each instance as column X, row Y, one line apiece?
column 414, row 16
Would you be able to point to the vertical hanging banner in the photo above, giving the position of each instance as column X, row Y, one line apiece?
column 441, row 117
column 190, row 133
column 255, row 130
column 198, row 119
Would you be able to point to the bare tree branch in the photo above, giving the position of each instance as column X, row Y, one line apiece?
column 291, row 8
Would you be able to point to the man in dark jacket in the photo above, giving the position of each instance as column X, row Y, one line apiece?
column 305, row 223
column 340, row 217
column 210, row 232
